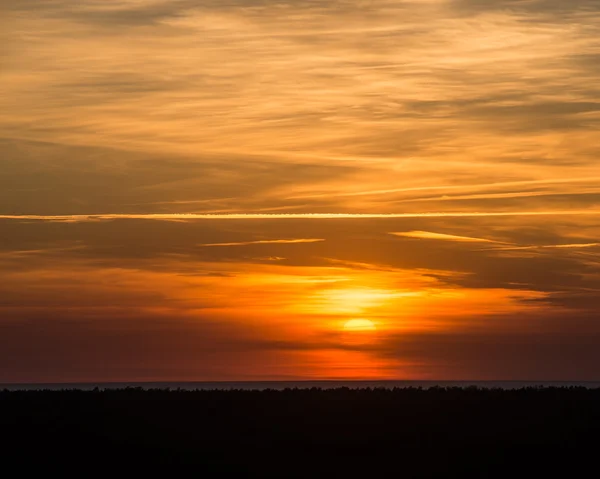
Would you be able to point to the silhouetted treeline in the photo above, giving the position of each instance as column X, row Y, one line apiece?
column 404, row 433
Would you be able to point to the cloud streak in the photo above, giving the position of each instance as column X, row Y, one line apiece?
column 441, row 236
column 275, row 241
column 280, row 216
column 464, row 187
column 550, row 246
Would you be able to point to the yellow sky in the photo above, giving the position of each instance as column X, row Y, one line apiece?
column 193, row 189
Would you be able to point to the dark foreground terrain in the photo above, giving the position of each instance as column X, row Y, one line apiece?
column 410, row 433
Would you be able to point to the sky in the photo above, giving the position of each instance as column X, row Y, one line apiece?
column 277, row 190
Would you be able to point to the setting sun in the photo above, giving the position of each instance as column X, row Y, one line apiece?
column 359, row 325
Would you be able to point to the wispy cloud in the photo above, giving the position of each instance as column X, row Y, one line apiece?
column 382, row 100
column 465, row 187
column 486, row 196
column 263, row 216
column 549, row 246
column 275, row 241
column 441, row 236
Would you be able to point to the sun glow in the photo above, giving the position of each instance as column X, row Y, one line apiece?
column 359, row 325
column 354, row 300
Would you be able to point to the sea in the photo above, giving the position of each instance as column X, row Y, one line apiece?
column 281, row 385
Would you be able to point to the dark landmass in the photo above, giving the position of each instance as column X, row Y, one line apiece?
column 411, row 433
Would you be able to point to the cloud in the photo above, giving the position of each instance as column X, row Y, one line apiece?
column 316, row 216
column 550, row 246
column 348, row 104
column 466, row 187
column 441, row 236
column 275, row 241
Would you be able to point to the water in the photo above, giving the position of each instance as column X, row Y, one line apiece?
column 262, row 385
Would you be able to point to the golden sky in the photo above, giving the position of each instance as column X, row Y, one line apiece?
column 256, row 189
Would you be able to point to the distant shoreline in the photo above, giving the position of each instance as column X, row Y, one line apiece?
column 301, row 384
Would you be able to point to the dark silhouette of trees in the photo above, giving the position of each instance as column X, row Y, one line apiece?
column 409, row 432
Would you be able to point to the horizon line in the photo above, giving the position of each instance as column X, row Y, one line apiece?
column 302, row 380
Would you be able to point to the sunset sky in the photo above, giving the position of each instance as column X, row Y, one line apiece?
column 324, row 189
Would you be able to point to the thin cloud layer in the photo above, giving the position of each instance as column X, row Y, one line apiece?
column 406, row 94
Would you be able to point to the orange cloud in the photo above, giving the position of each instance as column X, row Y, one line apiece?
column 441, row 236
column 276, row 241
column 263, row 216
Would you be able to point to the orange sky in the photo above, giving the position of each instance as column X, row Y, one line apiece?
column 193, row 190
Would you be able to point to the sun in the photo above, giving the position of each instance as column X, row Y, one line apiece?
column 359, row 325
